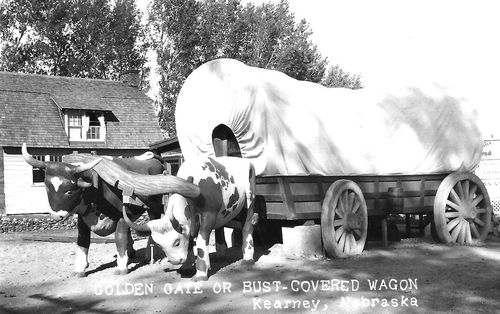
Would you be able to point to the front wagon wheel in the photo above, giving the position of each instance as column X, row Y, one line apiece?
column 344, row 219
column 462, row 209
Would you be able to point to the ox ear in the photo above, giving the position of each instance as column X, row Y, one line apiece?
column 83, row 184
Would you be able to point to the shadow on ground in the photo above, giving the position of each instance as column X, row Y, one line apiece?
column 448, row 279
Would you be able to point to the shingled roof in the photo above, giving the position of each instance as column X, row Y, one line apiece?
column 31, row 111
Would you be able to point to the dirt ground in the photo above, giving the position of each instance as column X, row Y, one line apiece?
column 414, row 275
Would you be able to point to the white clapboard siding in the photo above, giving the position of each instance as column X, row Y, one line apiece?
column 21, row 195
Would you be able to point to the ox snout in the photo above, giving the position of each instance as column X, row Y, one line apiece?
column 59, row 215
column 176, row 261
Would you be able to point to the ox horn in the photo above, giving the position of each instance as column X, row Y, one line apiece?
column 143, row 184
column 137, row 227
column 175, row 223
column 171, row 216
column 30, row 160
column 87, row 166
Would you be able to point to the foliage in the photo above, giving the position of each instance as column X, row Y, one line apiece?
column 172, row 27
column 102, row 38
column 186, row 34
column 81, row 38
column 336, row 77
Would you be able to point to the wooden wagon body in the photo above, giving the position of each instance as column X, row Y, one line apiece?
column 458, row 201
column 301, row 197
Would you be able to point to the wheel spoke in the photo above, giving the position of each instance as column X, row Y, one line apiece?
column 453, row 205
column 468, row 236
column 481, row 210
column 356, row 205
column 342, row 241
column 455, row 197
column 338, row 233
column 474, row 230
column 479, row 222
column 461, row 233
column 353, row 242
column 338, row 223
column 456, row 231
column 460, row 190
column 340, row 208
column 452, row 224
column 472, row 190
column 347, row 244
column 344, row 197
column 451, row 214
column 466, row 189
column 350, row 204
column 478, row 199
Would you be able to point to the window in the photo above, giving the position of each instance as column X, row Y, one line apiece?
column 39, row 174
column 85, row 126
column 93, row 132
column 75, row 126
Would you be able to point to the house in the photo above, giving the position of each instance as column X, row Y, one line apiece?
column 56, row 116
column 170, row 150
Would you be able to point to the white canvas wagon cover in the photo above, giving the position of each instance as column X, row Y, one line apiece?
column 291, row 127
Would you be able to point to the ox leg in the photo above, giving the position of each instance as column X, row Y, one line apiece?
column 248, row 245
column 130, row 244
column 82, row 251
column 121, row 239
column 203, row 258
column 187, row 268
column 220, row 242
column 157, row 253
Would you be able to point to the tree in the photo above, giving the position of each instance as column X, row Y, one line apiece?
column 336, row 77
column 172, row 34
column 81, row 38
column 186, row 34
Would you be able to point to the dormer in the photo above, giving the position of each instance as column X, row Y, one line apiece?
column 85, row 125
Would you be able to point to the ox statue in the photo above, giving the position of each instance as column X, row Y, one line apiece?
column 226, row 185
column 91, row 190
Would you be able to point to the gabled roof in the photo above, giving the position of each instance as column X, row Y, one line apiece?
column 30, row 111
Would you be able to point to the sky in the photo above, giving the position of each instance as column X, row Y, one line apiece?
column 389, row 42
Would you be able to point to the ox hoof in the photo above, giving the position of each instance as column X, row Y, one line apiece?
column 186, row 272
column 79, row 274
column 199, row 278
column 249, row 262
column 121, row 272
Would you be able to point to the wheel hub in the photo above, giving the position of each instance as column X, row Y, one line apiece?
column 352, row 222
column 470, row 210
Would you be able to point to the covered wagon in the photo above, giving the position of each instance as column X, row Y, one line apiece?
column 336, row 155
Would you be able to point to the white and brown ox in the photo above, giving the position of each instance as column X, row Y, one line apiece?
column 93, row 191
column 227, row 185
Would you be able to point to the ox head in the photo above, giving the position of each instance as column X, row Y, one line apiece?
column 63, row 181
column 172, row 230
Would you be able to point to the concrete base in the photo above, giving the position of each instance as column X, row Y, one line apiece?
column 302, row 240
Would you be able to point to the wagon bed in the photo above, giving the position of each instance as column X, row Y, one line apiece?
column 458, row 201
column 300, row 197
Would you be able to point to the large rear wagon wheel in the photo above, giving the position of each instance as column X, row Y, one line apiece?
column 462, row 209
column 344, row 220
